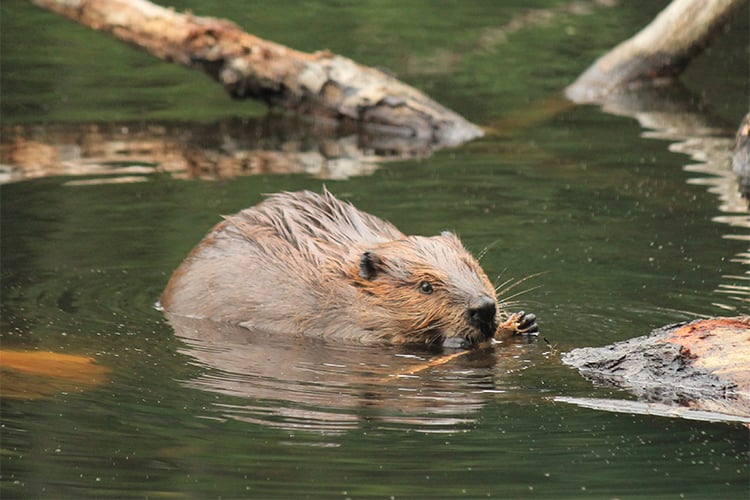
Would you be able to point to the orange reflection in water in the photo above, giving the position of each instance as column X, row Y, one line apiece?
column 37, row 374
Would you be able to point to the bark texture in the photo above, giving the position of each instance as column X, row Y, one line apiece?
column 703, row 365
column 322, row 84
column 659, row 53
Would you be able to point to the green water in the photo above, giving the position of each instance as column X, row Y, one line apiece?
column 626, row 237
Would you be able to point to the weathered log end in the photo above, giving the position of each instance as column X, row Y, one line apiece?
column 704, row 365
column 373, row 98
column 332, row 87
column 605, row 78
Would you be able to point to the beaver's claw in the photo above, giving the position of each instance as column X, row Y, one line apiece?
column 520, row 323
column 527, row 324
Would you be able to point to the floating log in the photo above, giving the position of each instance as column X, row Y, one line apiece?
column 657, row 54
column 703, row 366
column 321, row 85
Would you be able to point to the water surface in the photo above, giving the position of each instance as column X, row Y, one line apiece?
column 629, row 231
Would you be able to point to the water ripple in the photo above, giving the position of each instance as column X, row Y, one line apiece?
column 301, row 383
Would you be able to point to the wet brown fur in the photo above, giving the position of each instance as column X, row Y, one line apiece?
column 309, row 263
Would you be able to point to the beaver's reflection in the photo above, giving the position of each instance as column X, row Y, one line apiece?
column 303, row 383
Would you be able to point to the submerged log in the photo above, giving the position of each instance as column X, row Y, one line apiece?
column 659, row 53
column 321, row 85
column 703, row 366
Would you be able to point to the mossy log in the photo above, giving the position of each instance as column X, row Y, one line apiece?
column 321, row 85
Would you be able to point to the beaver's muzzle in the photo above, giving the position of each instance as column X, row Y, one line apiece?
column 481, row 314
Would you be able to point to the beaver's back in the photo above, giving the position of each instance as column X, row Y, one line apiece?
column 313, row 224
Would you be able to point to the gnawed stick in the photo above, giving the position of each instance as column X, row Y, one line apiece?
column 430, row 364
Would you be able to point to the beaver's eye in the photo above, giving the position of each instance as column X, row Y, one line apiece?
column 425, row 287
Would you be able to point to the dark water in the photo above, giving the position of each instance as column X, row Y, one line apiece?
column 630, row 231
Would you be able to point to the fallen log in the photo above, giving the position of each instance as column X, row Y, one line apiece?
column 703, row 366
column 657, row 54
column 321, row 85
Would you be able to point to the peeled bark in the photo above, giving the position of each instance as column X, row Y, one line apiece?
column 321, row 85
column 659, row 53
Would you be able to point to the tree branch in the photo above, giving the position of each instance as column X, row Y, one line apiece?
column 659, row 53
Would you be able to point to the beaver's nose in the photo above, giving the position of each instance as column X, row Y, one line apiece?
column 482, row 310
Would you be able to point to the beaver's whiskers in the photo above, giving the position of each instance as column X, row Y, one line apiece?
column 506, row 301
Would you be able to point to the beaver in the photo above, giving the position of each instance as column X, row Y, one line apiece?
column 309, row 263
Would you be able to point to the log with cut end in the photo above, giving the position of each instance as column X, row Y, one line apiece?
column 321, row 85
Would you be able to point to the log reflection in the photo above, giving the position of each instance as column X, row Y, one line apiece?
column 131, row 151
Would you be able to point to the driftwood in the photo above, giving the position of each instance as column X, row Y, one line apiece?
column 702, row 366
column 659, row 53
column 321, row 85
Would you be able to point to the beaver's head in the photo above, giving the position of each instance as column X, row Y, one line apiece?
column 425, row 290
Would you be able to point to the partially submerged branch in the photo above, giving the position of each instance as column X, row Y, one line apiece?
column 321, row 85
column 659, row 53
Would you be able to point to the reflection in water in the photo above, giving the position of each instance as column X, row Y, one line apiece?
column 129, row 152
column 302, row 383
column 712, row 157
column 38, row 374
column 671, row 113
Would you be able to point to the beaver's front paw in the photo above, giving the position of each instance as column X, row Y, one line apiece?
column 519, row 323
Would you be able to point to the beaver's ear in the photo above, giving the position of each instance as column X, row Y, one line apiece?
column 369, row 263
